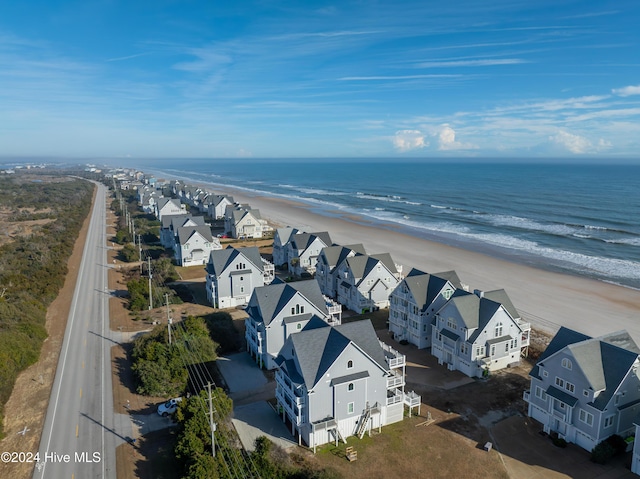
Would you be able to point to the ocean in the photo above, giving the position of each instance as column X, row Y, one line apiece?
column 577, row 219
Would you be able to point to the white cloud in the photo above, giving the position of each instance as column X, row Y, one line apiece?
column 406, row 140
column 627, row 90
column 574, row 143
column 447, row 140
column 472, row 63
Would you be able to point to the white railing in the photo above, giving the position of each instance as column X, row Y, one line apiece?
column 526, row 395
column 394, row 400
column 394, row 358
column 395, row 381
column 412, row 399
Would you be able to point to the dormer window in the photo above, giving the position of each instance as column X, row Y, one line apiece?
column 566, row 363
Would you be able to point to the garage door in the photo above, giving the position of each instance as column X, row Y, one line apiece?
column 538, row 414
column 584, row 441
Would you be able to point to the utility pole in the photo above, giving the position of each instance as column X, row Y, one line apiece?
column 169, row 320
column 211, row 423
column 149, row 272
column 139, row 247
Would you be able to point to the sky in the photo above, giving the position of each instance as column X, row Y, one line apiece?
column 288, row 79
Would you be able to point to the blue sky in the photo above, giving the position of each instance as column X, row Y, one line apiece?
column 545, row 78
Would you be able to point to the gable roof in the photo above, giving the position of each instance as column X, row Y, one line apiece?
column 500, row 296
column 302, row 241
column 186, row 232
column 336, row 254
column 162, row 202
column 316, row 350
column 168, row 219
column 604, row 361
column 284, row 234
column 267, row 301
column 220, row 259
column 475, row 312
column 361, row 265
column 425, row 287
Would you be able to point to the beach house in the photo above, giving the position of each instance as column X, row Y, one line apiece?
column 194, row 244
column 329, row 260
column 280, row 309
column 479, row 332
column 413, row 305
column 168, row 207
column 332, row 383
column 241, row 221
column 303, row 250
column 233, row 274
column 217, row 205
column 169, row 227
column 281, row 239
column 586, row 389
column 366, row 281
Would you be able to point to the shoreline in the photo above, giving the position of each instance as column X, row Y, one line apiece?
column 547, row 299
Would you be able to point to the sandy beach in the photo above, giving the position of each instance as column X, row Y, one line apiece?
column 547, row 299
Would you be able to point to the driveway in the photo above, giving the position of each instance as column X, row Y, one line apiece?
column 529, row 455
column 259, row 419
column 241, row 373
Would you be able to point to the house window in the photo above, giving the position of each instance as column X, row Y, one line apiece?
column 447, row 293
column 585, row 393
column 586, row 417
column 350, row 387
column 479, row 351
column 299, row 326
column 350, row 408
column 545, row 374
column 498, row 331
column 242, row 289
column 514, row 343
column 608, row 421
column 506, row 347
column 540, row 393
column 559, row 382
column 451, row 324
column 560, row 404
column 493, row 350
column 566, row 363
column 349, row 364
column 569, row 387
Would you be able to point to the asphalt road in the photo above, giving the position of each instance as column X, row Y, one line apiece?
column 79, row 437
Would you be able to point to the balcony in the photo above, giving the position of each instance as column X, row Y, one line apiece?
column 395, row 398
column 395, row 381
column 412, row 399
column 526, row 395
column 293, row 407
column 394, row 358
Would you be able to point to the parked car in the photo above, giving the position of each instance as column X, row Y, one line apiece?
column 168, row 407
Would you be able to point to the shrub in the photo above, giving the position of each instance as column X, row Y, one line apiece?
column 603, row 452
column 559, row 442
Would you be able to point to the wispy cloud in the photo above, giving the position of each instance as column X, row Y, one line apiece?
column 128, row 57
column 471, row 63
column 627, row 90
column 396, row 77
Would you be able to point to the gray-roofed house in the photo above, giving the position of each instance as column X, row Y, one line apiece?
column 586, row 389
column 169, row 227
column 241, row 221
column 194, row 244
column 281, row 238
column 332, row 383
column 303, row 250
column 329, row 261
column 233, row 274
column 366, row 281
column 168, row 207
column 218, row 204
column 280, row 309
column 475, row 334
column 413, row 305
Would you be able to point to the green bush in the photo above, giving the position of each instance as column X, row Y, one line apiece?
column 603, row 452
column 559, row 442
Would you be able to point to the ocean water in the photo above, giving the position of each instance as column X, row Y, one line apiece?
column 578, row 219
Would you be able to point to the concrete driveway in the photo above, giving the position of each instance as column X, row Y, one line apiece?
column 241, row 373
column 259, row 419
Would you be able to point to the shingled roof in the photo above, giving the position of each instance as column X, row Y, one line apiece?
column 267, row 301
column 220, row 259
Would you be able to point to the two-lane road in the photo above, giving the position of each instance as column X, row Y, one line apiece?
column 78, row 439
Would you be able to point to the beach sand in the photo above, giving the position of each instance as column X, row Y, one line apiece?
column 546, row 299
